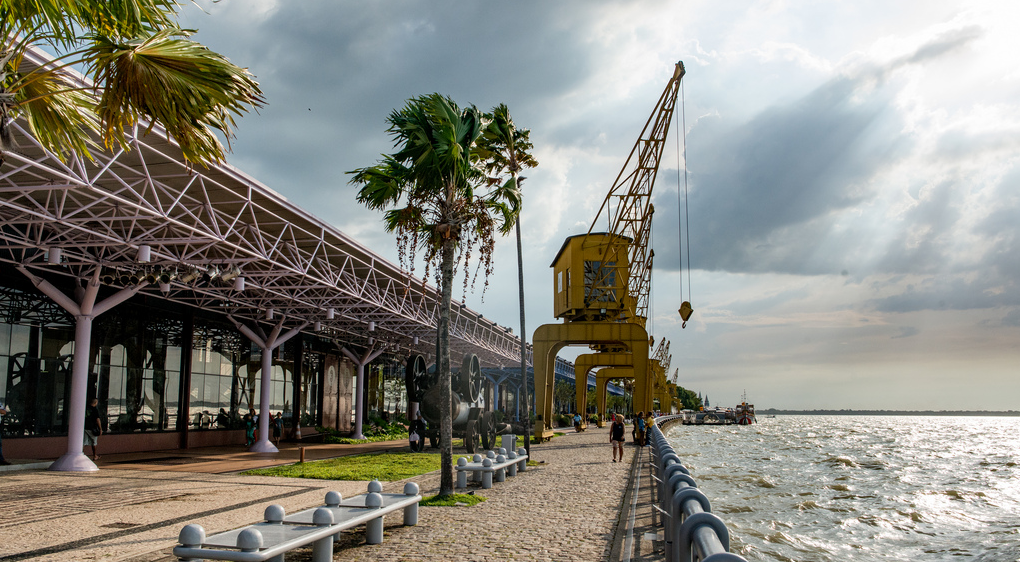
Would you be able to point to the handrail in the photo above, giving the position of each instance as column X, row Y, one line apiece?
column 693, row 532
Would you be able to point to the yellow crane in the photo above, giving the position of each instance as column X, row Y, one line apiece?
column 602, row 278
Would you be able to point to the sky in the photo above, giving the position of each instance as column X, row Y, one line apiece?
column 851, row 169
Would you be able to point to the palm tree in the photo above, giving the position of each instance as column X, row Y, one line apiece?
column 141, row 65
column 433, row 189
column 506, row 151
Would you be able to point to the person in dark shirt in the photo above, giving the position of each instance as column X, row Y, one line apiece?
column 616, row 436
column 93, row 426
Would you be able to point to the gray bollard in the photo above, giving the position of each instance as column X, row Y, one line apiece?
column 249, row 540
column 375, row 486
column 501, row 473
column 490, row 454
column 523, row 465
column 191, row 536
column 411, row 511
column 322, row 549
column 476, row 476
column 274, row 514
column 487, row 476
column 462, row 475
column 333, row 499
column 512, row 469
column 374, row 528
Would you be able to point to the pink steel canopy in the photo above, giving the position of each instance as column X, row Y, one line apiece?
column 206, row 227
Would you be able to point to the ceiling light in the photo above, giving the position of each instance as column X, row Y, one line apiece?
column 53, row 256
column 144, row 253
column 239, row 284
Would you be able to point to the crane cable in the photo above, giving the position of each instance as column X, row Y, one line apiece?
column 685, row 307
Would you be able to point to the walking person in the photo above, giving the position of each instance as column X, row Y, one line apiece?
column 249, row 430
column 277, row 427
column 616, row 437
column 3, row 412
column 639, row 428
column 93, row 426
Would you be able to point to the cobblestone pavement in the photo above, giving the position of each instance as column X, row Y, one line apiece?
column 567, row 508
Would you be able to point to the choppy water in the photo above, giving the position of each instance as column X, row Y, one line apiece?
column 821, row 488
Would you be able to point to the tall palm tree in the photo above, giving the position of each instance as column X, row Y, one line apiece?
column 505, row 150
column 141, row 64
column 435, row 191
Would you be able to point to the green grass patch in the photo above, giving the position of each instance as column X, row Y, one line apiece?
column 386, row 467
column 532, row 463
column 452, row 500
column 334, row 440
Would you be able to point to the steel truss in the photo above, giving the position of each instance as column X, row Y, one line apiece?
column 205, row 228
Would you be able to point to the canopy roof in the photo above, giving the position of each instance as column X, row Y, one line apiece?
column 207, row 226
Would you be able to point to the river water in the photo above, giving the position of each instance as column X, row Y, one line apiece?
column 862, row 488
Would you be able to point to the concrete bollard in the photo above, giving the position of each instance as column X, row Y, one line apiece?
column 333, row 499
column 512, row 469
column 275, row 514
column 411, row 511
column 374, row 528
column 191, row 536
column 501, row 473
column 487, row 476
column 375, row 486
column 523, row 465
column 249, row 540
column 462, row 475
column 476, row 476
column 322, row 549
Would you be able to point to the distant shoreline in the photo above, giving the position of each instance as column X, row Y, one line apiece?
column 774, row 412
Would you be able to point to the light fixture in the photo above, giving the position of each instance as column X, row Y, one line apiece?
column 330, row 313
column 371, row 326
column 371, row 341
column 317, row 326
column 167, row 275
column 53, row 256
column 164, row 287
column 269, row 314
column 190, row 276
column 230, row 274
column 144, row 253
column 415, row 340
column 239, row 284
column 109, row 279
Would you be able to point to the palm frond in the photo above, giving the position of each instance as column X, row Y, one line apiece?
column 179, row 83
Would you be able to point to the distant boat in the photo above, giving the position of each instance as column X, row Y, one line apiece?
column 745, row 412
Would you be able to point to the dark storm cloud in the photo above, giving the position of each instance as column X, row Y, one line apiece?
column 766, row 194
column 761, row 191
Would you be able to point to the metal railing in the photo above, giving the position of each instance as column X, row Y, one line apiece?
column 692, row 531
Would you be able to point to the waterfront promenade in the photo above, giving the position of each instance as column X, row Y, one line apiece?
column 576, row 505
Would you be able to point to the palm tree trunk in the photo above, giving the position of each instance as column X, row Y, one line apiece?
column 443, row 367
column 524, row 339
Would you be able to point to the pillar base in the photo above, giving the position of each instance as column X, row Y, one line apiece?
column 74, row 462
column 263, row 447
column 357, row 436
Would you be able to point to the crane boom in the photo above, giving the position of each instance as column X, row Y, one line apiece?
column 606, row 275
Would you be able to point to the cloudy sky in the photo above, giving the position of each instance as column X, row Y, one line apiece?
column 853, row 169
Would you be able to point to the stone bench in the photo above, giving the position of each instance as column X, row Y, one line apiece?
column 319, row 526
column 499, row 465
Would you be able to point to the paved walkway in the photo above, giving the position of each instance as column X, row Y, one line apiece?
column 576, row 505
